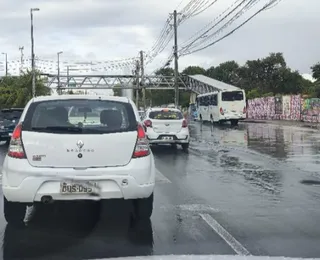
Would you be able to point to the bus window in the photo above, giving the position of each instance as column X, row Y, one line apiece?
column 232, row 96
column 201, row 99
column 214, row 100
column 206, row 100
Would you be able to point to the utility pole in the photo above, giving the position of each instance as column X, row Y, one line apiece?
column 142, row 81
column 32, row 53
column 68, row 77
column 21, row 59
column 58, row 54
column 6, row 61
column 176, row 68
column 137, row 83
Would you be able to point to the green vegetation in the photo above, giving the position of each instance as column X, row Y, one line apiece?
column 17, row 91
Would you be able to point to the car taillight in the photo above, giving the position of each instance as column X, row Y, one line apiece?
column 184, row 123
column 244, row 110
column 15, row 149
column 221, row 111
column 148, row 123
column 142, row 145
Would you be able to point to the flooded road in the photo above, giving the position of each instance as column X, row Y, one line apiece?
column 250, row 190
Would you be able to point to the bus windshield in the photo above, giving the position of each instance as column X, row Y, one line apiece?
column 232, row 96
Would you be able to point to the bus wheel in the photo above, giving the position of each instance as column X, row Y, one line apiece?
column 211, row 119
column 234, row 122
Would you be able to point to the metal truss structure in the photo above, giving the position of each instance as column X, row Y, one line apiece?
column 197, row 86
column 111, row 82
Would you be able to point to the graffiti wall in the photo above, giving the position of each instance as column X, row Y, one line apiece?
column 261, row 108
column 284, row 108
column 310, row 110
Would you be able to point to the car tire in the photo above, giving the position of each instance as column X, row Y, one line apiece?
column 185, row 147
column 14, row 212
column 143, row 208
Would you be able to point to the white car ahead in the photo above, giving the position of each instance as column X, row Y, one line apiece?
column 73, row 147
column 166, row 126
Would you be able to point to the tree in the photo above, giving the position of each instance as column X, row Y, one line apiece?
column 267, row 76
column 316, row 71
column 226, row 72
column 17, row 91
column 159, row 97
column 194, row 70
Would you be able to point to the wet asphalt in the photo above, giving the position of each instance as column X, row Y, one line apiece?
column 253, row 189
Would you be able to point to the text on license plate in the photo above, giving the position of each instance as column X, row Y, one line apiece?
column 78, row 188
column 167, row 138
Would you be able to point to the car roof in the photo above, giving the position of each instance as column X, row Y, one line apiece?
column 90, row 97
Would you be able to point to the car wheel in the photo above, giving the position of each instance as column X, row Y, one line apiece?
column 143, row 208
column 14, row 212
column 185, row 147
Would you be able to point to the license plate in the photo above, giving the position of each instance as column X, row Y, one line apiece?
column 167, row 138
column 78, row 188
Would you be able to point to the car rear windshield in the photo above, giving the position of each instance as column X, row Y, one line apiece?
column 80, row 116
column 165, row 115
column 232, row 96
column 10, row 114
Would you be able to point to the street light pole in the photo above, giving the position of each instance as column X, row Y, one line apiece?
column 6, row 58
column 58, row 54
column 32, row 53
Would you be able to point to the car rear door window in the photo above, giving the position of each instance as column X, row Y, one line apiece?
column 80, row 116
column 166, row 115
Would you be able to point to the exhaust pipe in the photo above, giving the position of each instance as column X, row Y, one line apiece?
column 46, row 199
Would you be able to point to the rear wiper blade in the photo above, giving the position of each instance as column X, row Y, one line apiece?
column 59, row 128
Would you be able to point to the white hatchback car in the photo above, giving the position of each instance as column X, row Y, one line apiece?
column 166, row 126
column 74, row 147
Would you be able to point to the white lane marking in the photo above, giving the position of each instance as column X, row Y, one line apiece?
column 161, row 178
column 191, row 207
column 196, row 207
column 225, row 235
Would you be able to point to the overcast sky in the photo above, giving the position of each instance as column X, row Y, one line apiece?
column 88, row 30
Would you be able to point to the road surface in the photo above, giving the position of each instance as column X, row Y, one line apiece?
column 249, row 190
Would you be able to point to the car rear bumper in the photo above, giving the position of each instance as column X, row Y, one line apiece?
column 181, row 137
column 135, row 180
column 178, row 141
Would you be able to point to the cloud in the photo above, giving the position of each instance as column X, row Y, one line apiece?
column 107, row 30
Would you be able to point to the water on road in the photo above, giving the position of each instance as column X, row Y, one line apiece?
column 250, row 190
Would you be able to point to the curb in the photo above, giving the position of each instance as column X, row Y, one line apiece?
column 254, row 121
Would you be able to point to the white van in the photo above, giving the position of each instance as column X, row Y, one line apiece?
column 222, row 106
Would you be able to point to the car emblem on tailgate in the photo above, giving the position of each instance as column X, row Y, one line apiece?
column 80, row 144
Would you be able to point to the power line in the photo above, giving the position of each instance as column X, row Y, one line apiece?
column 207, row 37
column 209, row 24
column 215, row 24
column 235, row 29
column 194, row 7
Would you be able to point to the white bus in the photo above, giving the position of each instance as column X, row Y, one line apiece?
column 222, row 106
